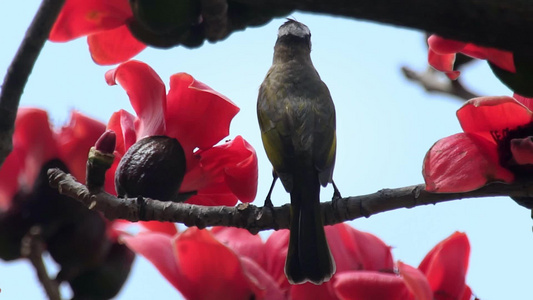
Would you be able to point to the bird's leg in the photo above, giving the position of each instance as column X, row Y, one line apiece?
column 268, row 200
column 336, row 193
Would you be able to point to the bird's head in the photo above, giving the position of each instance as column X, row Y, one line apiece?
column 294, row 34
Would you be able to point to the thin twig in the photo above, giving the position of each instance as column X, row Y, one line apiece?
column 434, row 82
column 33, row 248
column 255, row 218
column 20, row 69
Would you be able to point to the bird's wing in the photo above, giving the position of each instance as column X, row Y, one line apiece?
column 276, row 131
column 324, row 141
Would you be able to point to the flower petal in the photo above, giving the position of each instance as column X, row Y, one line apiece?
column 123, row 124
column 467, row 294
column 81, row 17
column 34, row 143
column 486, row 114
column 214, row 195
column 441, row 45
column 415, row 281
column 276, row 248
column 76, row 139
column 308, row 290
column 196, row 115
column 445, row 266
column 157, row 248
column 167, row 228
column 114, row 46
column 228, row 167
column 462, row 162
column 146, row 91
column 528, row 102
column 203, row 260
column 242, row 242
column 501, row 58
column 441, row 54
column 365, row 249
column 443, row 63
column 343, row 247
column 442, row 50
column 262, row 283
column 370, row 285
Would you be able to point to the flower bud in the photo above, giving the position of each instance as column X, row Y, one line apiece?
column 153, row 167
column 100, row 160
column 106, row 142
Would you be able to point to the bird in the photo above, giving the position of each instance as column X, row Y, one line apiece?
column 296, row 117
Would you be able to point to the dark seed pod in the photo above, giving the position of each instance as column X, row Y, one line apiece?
column 105, row 280
column 153, row 167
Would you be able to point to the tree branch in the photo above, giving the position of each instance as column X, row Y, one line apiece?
column 255, row 218
column 501, row 24
column 33, row 248
column 20, row 69
column 433, row 82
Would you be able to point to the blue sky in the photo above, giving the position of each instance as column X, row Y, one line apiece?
column 385, row 124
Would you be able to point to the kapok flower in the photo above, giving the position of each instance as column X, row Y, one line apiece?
column 35, row 143
column 200, row 266
column 496, row 146
column 192, row 260
column 263, row 262
column 78, row 239
column 440, row 276
column 104, row 22
column 441, row 55
column 198, row 118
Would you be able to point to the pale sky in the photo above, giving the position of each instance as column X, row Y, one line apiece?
column 385, row 124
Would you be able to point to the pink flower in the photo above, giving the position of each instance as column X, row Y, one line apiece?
column 198, row 118
column 104, row 22
column 441, row 55
column 495, row 146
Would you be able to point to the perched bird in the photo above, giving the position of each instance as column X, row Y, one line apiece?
column 297, row 120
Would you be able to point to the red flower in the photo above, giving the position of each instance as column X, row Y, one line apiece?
column 201, row 267
column 263, row 263
column 445, row 267
column 192, row 261
column 35, row 143
column 80, row 241
column 495, row 146
column 441, row 55
column 198, row 118
column 440, row 276
column 104, row 24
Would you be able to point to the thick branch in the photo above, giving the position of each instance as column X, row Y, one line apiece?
column 501, row 24
column 256, row 218
column 20, row 69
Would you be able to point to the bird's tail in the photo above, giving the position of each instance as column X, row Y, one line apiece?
column 308, row 257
